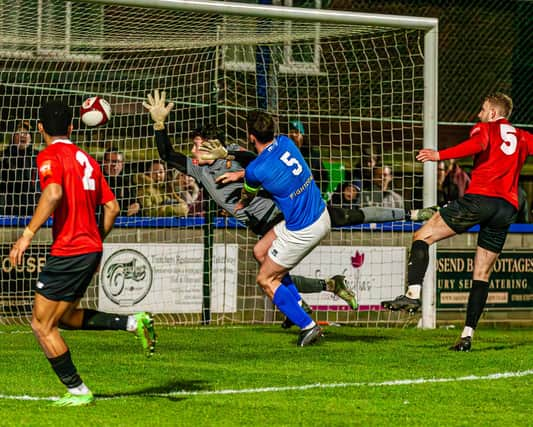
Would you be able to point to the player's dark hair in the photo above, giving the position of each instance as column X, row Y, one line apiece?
column 503, row 101
column 261, row 125
column 56, row 117
column 209, row 131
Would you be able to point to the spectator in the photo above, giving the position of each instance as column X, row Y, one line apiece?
column 154, row 195
column 381, row 193
column 347, row 196
column 310, row 154
column 452, row 182
column 113, row 168
column 363, row 172
column 18, row 179
column 186, row 188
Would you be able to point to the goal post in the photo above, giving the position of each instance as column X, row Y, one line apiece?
column 359, row 85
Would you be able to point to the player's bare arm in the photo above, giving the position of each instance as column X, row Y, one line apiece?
column 427, row 155
column 48, row 202
column 111, row 211
column 228, row 177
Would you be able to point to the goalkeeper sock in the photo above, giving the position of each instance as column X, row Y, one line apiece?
column 99, row 321
column 65, row 370
column 476, row 302
column 288, row 305
column 341, row 217
column 378, row 214
column 307, row 285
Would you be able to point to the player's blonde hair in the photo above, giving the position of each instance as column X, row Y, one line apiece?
column 502, row 102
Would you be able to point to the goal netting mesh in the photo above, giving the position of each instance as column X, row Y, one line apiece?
column 357, row 92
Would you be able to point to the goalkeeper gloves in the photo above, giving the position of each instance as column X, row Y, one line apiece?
column 212, row 149
column 158, row 111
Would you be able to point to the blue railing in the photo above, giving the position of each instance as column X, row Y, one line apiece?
column 229, row 222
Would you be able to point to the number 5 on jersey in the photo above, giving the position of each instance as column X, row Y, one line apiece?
column 508, row 134
column 286, row 158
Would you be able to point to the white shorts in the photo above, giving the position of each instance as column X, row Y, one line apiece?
column 290, row 247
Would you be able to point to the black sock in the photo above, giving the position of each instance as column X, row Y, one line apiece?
column 307, row 285
column 98, row 321
column 341, row 216
column 418, row 262
column 65, row 370
column 476, row 302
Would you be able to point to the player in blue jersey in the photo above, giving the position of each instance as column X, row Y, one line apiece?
column 281, row 170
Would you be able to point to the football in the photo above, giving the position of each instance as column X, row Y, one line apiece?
column 95, row 111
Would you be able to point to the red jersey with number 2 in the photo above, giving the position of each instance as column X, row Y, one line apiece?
column 75, row 230
column 500, row 150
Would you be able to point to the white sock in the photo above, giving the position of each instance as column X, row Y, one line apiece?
column 81, row 389
column 131, row 326
column 413, row 291
column 311, row 325
column 468, row 332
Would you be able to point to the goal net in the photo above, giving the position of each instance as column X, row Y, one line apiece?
column 358, row 87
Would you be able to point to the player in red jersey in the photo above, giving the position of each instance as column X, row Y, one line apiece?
column 500, row 150
column 72, row 188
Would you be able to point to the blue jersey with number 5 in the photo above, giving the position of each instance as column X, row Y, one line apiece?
column 281, row 170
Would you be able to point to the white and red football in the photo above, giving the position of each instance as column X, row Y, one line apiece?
column 95, row 111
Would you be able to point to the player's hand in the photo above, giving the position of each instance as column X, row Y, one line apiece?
column 156, row 106
column 18, row 249
column 212, row 149
column 228, row 177
column 427, row 155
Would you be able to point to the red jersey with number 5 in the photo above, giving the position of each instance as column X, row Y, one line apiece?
column 75, row 229
column 500, row 151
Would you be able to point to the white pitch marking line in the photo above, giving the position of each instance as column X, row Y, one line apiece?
column 490, row 377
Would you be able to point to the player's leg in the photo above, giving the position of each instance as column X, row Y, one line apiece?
column 45, row 319
column 434, row 230
column 140, row 324
column 483, row 263
column 67, row 278
column 286, row 250
column 261, row 253
column 269, row 278
column 343, row 217
column 336, row 284
column 497, row 215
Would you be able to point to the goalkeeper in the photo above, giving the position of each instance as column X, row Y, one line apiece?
column 220, row 173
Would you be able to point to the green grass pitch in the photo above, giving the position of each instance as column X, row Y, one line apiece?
column 255, row 375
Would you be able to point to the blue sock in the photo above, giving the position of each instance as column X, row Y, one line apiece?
column 285, row 301
column 289, row 284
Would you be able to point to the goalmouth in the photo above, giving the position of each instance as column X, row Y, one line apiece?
column 359, row 83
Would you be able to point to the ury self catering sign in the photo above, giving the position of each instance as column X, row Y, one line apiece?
column 511, row 282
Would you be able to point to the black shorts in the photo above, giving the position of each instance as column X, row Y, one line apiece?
column 66, row 278
column 494, row 216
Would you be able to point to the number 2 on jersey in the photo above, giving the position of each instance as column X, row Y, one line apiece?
column 291, row 162
column 88, row 182
column 508, row 134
